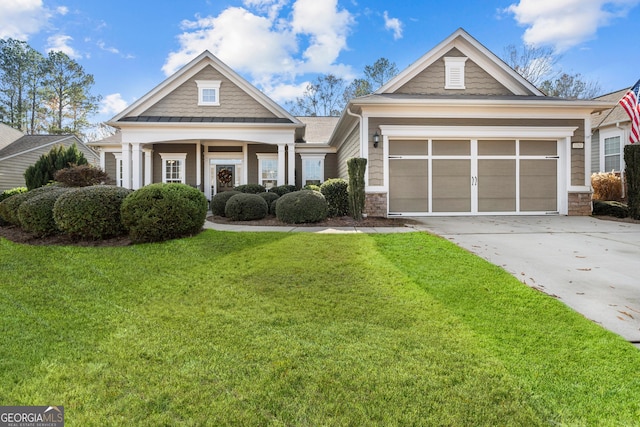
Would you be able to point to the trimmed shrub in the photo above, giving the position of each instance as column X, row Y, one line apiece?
column 283, row 189
column 245, row 207
column 270, row 198
column 301, row 207
column 356, row 169
column 606, row 186
column 163, row 211
column 219, row 201
column 5, row 195
column 632, row 169
column 337, row 194
column 250, row 188
column 610, row 208
column 36, row 213
column 272, row 206
column 312, row 187
column 9, row 207
column 91, row 212
column 81, row 176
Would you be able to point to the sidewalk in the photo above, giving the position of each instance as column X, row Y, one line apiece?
column 306, row 229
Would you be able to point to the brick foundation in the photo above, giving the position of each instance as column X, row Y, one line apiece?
column 580, row 204
column 375, row 204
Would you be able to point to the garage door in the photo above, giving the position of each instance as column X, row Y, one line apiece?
column 473, row 176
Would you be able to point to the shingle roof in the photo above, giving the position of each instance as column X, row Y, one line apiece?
column 29, row 142
column 613, row 115
column 318, row 129
column 165, row 119
column 8, row 135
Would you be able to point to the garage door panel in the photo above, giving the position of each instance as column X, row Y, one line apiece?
column 408, row 186
column 497, row 185
column 451, row 185
column 538, row 185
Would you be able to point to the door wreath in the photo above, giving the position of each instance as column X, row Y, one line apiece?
column 225, row 176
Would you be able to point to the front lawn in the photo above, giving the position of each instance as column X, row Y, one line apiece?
column 301, row 330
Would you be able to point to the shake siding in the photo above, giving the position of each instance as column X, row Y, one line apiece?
column 190, row 149
column 234, row 102
column 351, row 148
column 431, row 80
column 375, row 154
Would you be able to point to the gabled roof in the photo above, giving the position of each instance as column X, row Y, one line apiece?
column 8, row 135
column 33, row 142
column 318, row 129
column 205, row 59
column 474, row 50
column 613, row 115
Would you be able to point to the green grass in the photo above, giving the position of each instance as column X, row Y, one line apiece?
column 275, row 329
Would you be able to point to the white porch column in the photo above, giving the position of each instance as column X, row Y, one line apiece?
column 148, row 166
column 281, row 164
column 199, row 166
column 126, row 165
column 291, row 157
column 102, row 159
column 136, row 166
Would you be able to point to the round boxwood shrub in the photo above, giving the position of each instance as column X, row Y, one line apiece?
column 250, row 188
column 283, row 189
column 245, row 207
column 36, row 213
column 9, row 207
column 336, row 192
column 313, row 187
column 219, row 201
column 5, row 195
column 91, row 212
column 270, row 198
column 301, row 206
column 163, row 211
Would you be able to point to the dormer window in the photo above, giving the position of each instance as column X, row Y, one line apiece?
column 208, row 92
column 454, row 72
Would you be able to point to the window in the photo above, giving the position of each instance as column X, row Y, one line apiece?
column 208, row 92
column 118, row 157
column 173, row 167
column 268, row 170
column 312, row 169
column 612, row 154
column 454, row 72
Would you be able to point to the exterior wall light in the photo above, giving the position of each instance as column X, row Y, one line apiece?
column 376, row 139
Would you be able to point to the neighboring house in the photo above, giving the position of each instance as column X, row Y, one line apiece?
column 17, row 156
column 610, row 133
column 457, row 133
column 8, row 135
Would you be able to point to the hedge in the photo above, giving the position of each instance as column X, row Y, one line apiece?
column 9, row 207
column 301, row 207
column 219, row 201
column 336, row 192
column 246, row 207
column 270, row 198
column 36, row 213
column 250, row 188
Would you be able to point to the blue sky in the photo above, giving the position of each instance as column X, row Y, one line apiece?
column 280, row 45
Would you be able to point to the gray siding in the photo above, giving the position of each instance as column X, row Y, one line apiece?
column 595, row 151
column 234, row 102
column 190, row 167
column 350, row 148
column 431, row 80
column 252, row 160
column 110, row 165
column 12, row 169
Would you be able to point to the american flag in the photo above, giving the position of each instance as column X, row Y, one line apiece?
column 630, row 104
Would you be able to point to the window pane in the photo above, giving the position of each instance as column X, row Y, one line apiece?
column 209, row 95
column 313, row 169
column 612, row 145
column 269, row 169
column 612, row 163
column 173, row 171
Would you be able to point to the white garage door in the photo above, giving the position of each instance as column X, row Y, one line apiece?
column 473, row 176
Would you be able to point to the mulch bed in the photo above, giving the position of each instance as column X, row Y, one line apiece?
column 344, row 221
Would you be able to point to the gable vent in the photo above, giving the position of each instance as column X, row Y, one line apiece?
column 454, row 72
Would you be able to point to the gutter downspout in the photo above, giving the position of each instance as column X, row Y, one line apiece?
column 359, row 117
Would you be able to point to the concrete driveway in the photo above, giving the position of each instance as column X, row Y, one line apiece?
column 591, row 265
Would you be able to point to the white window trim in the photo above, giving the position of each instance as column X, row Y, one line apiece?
column 454, row 72
column 208, row 84
column 118, row 157
column 320, row 157
column 182, row 157
column 611, row 133
column 265, row 156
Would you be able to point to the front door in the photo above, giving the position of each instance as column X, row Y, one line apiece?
column 225, row 177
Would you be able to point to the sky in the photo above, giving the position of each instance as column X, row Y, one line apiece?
column 280, row 45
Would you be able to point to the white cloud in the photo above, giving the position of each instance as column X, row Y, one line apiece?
column 62, row 10
column 566, row 23
column 106, row 48
column 394, row 25
column 60, row 43
column 269, row 42
column 113, row 104
column 21, row 18
column 282, row 93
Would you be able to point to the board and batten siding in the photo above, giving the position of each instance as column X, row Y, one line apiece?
column 348, row 150
column 183, row 101
column 12, row 168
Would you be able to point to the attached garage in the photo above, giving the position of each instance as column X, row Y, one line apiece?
column 445, row 171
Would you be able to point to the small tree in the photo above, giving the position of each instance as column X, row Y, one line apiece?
column 356, row 168
column 632, row 173
column 43, row 171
